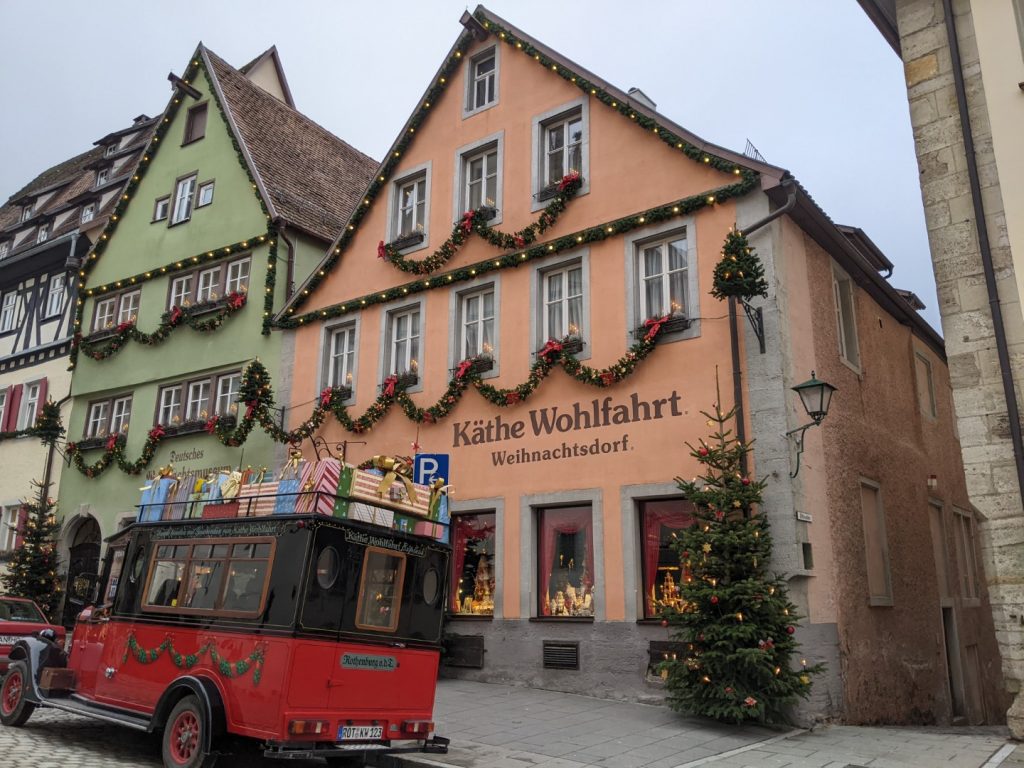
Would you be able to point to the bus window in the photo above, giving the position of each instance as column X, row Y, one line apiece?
column 165, row 576
column 380, row 590
column 205, row 578
column 247, row 575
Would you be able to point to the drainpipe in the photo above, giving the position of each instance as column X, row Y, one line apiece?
column 289, row 282
column 1002, row 350
column 734, row 330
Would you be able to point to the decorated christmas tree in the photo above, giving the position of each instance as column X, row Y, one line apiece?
column 739, row 272
column 32, row 571
column 741, row 660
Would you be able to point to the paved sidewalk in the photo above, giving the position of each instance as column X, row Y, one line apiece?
column 498, row 726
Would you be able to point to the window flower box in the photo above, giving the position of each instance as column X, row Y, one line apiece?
column 91, row 443
column 550, row 191
column 675, row 324
column 408, row 379
column 101, row 335
column 407, row 241
column 571, row 345
column 196, row 426
column 487, row 212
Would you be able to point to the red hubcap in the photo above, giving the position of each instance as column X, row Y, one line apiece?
column 12, row 692
column 184, row 737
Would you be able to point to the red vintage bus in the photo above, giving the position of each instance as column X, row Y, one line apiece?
column 318, row 637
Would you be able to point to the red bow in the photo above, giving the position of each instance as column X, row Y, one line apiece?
column 325, row 397
column 122, row 327
column 428, row 417
column 389, row 385
column 511, row 398
column 211, row 424
column 236, row 300
column 463, row 368
column 156, row 432
column 467, row 221
column 653, row 326
column 608, row 378
column 175, row 314
column 249, row 408
column 112, row 441
column 569, row 178
column 72, row 447
column 519, row 240
column 550, row 348
column 382, row 251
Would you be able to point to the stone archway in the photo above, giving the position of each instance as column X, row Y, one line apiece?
column 83, row 541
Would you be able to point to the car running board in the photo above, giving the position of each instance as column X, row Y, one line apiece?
column 80, row 706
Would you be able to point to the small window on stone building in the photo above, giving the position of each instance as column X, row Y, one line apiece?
column 846, row 322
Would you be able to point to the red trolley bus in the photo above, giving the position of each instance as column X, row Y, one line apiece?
column 316, row 636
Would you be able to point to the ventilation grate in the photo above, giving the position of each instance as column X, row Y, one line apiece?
column 561, row 655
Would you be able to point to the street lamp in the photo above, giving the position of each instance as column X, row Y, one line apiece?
column 816, row 397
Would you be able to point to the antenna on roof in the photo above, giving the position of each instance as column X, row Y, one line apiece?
column 751, row 152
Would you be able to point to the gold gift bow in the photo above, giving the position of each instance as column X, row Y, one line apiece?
column 294, row 460
column 437, row 490
column 230, row 488
column 394, row 469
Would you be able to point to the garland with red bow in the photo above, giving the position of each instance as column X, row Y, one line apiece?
column 476, row 221
column 198, row 317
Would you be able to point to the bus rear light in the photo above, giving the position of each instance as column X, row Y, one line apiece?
column 308, row 727
column 418, row 726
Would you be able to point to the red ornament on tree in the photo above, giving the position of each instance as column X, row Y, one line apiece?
column 790, row 630
column 745, row 481
column 702, row 451
column 714, row 599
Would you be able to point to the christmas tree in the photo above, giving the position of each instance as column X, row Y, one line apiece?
column 32, row 571
column 736, row 622
column 739, row 272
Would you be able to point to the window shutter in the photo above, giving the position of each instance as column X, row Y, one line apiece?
column 43, row 388
column 19, row 538
column 11, row 411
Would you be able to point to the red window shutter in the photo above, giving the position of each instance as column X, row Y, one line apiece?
column 11, row 410
column 43, row 388
column 22, row 519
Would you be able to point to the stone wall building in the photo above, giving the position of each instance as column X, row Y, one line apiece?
column 964, row 65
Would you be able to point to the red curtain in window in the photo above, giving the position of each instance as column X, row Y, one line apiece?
column 553, row 522
column 43, row 391
column 674, row 514
column 466, row 528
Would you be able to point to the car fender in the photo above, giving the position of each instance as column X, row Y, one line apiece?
column 33, row 652
column 210, row 701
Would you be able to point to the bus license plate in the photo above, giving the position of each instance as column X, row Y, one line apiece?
column 360, row 732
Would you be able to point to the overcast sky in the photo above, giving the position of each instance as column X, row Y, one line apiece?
column 810, row 83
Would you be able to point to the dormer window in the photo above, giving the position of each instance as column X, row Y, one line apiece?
column 43, row 234
column 101, row 176
column 88, row 212
column 5, row 248
column 110, row 149
column 26, row 212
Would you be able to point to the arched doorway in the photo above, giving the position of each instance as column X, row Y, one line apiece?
column 84, row 543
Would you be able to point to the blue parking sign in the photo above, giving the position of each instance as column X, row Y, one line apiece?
column 427, row 467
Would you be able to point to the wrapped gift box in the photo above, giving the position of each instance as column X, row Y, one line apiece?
column 431, row 529
column 405, row 523
column 364, row 485
column 154, row 498
column 320, row 487
column 215, row 509
column 177, row 500
column 370, row 513
column 257, row 499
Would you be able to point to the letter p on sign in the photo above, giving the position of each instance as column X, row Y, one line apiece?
column 427, row 467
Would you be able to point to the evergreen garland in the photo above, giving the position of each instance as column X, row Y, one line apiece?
column 32, row 570
column 48, row 426
column 739, row 273
column 737, row 622
column 229, row 669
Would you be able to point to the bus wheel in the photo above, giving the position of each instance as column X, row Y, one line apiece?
column 15, row 709
column 183, row 735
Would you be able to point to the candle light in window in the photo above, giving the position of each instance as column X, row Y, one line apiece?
column 233, row 409
column 348, row 379
column 124, row 428
column 487, row 348
column 413, row 365
column 204, row 414
column 176, row 419
column 573, row 329
column 676, row 307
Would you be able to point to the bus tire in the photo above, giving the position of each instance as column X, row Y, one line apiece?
column 15, row 709
column 183, row 735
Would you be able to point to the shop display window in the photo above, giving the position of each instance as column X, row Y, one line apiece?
column 663, row 572
column 472, row 592
column 565, row 560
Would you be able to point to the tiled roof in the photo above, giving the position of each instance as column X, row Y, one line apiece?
column 313, row 178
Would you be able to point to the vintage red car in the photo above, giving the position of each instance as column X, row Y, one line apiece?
column 314, row 636
column 20, row 618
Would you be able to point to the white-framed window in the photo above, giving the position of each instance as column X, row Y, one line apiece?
column 170, row 405
column 476, row 318
column 198, row 400
column 27, row 211
column 205, row 196
column 562, row 292
column 88, row 213
column 181, row 292
column 403, row 334
column 561, row 145
column 106, row 311
column 341, row 351
column 121, row 415
column 238, row 277
column 184, row 193
column 8, row 311
column 129, row 311
column 3, row 405
column 43, row 234
column 963, row 529
column 209, row 282
column 925, row 385
column 563, row 148
column 411, row 210
column 160, row 207
column 846, row 322
column 29, row 405
column 102, row 175
column 663, row 277
column 9, row 527
column 5, row 248
column 482, row 81
column 55, row 295
column 480, row 179
column 876, row 545
column 228, row 387
column 110, row 149
column 99, row 418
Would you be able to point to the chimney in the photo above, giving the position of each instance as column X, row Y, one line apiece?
column 642, row 98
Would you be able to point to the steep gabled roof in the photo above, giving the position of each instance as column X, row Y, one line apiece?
column 274, row 58
column 312, row 179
